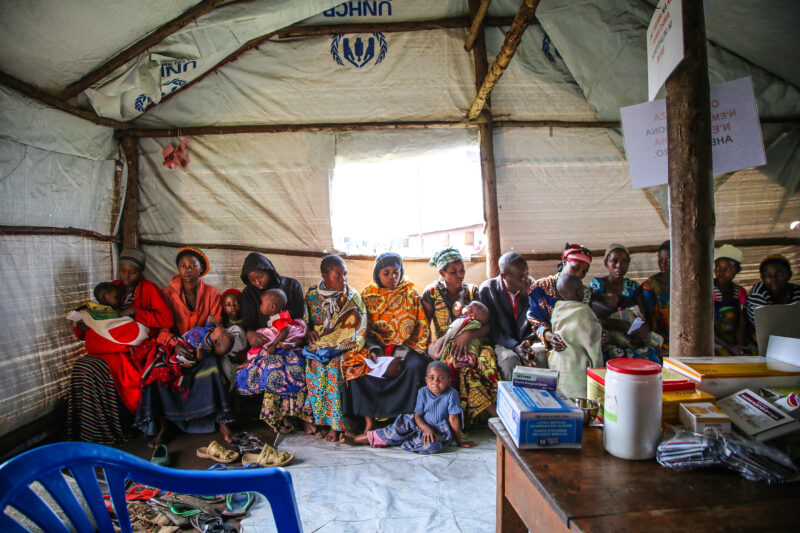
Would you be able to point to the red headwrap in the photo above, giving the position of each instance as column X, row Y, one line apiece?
column 237, row 292
column 575, row 252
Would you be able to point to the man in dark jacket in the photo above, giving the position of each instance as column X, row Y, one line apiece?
column 506, row 296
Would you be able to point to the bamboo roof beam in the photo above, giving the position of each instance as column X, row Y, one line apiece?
column 50, row 100
column 477, row 21
column 138, row 47
column 522, row 20
column 335, row 29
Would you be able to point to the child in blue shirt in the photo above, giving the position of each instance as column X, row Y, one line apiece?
column 435, row 423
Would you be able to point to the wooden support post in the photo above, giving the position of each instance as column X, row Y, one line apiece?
column 130, row 209
column 477, row 22
column 524, row 17
column 488, row 171
column 691, row 194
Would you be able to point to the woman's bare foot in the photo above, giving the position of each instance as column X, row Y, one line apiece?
column 350, row 439
column 309, row 428
column 320, row 433
column 161, row 438
column 370, row 424
column 227, row 434
column 333, row 436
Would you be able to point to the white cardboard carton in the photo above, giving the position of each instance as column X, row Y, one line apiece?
column 539, row 418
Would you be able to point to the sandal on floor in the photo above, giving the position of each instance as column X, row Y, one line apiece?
column 218, row 453
column 269, row 456
column 210, row 524
column 160, row 455
column 237, row 504
column 247, row 443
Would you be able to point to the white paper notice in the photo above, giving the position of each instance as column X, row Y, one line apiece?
column 736, row 141
column 378, row 369
column 664, row 44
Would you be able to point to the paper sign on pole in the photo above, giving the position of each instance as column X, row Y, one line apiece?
column 736, row 141
column 664, row 44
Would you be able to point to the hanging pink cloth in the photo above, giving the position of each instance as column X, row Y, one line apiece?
column 176, row 155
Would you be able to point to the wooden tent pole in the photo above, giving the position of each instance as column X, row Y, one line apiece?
column 130, row 209
column 477, row 21
column 691, row 194
column 488, row 171
column 50, row 100
column 522, row 20
column 138, row 47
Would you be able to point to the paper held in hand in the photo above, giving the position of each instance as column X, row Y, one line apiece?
column 378, row 369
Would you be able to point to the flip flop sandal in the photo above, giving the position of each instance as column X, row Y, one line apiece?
column 163, row 507
column 220, row 466
column 160, row 455
column 247, row 443
column 210, row 524
column 269, row 456
column 141, row 492
column 237, row 504
column 218, row 453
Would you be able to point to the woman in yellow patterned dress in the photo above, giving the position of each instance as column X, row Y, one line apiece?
column 442, row 302
column 396, row 327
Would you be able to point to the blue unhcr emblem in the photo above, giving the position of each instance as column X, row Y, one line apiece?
column 547, row 44
column 356, row 52
column 172, row 85
column 141, row 102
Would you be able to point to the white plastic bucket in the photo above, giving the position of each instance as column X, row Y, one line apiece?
column 632, row 408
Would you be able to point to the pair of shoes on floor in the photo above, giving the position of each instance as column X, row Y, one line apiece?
column 269, row 456
column 160, row 455
column 218, row 453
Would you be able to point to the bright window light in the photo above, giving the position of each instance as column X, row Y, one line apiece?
column 413, row 206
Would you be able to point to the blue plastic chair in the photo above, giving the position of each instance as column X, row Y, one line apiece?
column 81, row 460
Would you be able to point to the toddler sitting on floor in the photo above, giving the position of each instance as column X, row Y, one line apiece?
column 435, row 423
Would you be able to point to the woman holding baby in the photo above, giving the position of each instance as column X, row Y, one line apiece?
column 472, row 362
column 201, row 401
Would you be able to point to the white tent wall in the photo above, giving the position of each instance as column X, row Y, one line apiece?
column 53, row 174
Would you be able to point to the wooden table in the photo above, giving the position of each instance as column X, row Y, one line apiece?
column 591, row 490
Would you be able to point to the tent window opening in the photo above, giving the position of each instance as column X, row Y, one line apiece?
column 414, row 205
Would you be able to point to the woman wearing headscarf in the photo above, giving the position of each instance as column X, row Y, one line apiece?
column 622, row 302
column 730, row 323
column 259, row 275
column 104, row 388
column 441, row 300
column 774, row 287
column 202, row 402
column 575, row 260
column 337, row 328
column 396, row 326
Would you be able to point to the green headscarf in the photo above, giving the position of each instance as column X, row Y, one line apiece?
column 444, row 257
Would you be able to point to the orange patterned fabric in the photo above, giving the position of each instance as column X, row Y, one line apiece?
column 394, row 316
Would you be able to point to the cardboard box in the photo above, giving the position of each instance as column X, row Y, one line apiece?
column 704, row 418
column 535, row 378
column 596, row 387
column 721, row 376
column 539, row 418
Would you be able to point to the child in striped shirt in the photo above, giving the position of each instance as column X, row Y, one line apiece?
column 435, row 423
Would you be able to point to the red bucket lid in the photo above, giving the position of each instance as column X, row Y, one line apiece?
column 639, row 367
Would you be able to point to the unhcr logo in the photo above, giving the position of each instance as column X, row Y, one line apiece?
column 364, row 8
column 359, row 51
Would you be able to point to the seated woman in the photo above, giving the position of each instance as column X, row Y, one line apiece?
column 774, row 287
column 104, row 388
column 396, row 327
column 655, row 294
column 442, row 302
column 259, row 276
column 627, row 294
column 337, row 327
column 575, row 260
column 205, row 402
column 730, row 324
